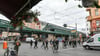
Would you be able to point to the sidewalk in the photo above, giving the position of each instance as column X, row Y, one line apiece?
column 7, row 41
column 2, row 50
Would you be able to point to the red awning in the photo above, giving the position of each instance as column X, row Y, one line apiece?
column 11, row 8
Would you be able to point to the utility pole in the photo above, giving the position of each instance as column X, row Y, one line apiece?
column 8, row 29
column 76, row 29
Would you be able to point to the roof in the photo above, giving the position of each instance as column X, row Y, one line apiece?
column 11, row 8
column 57, row 29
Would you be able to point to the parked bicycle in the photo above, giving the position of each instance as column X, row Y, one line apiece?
column 10, row 52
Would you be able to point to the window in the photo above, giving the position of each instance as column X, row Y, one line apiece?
column 98, row 29
column 97, row 23
column 96, row 12
column 90, row 40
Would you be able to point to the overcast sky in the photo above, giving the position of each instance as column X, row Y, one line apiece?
column 59, row 12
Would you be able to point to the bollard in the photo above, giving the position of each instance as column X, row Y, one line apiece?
column 5, row 45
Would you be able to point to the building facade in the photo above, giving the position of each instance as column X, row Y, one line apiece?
column 94, row 19
column 5, row 33
column 33, row 25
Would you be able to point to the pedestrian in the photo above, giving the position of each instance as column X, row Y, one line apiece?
column 51, row 42
column 70, row 43
column 16, row 45
column 35, row 44
column 57, row 43
column 64, row 43
column 46, row 46
column 55, row 46
column 43, row 44
column 73, row 44
column 31, row 43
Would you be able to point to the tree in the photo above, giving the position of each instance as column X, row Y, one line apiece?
column 28, row 16
column 88, row 3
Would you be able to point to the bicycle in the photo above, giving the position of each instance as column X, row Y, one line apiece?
column 10, row 52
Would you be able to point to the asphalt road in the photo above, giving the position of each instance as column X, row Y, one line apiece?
column 26, row 50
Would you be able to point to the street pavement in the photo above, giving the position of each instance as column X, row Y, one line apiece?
column 1, row 47
column 26, row 50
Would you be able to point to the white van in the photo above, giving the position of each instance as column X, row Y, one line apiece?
column 28, row 39
column 93, row 42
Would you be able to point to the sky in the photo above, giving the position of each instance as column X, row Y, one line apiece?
column 59, row 12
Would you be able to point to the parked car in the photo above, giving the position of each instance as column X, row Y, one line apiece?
column 28, row 39
column 93, row 42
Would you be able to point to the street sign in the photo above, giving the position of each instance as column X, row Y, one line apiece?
column 72, row 31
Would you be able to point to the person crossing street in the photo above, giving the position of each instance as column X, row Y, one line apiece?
column 35, row 43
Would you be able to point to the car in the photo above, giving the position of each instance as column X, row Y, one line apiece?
column 93, row 42
column 28, row 39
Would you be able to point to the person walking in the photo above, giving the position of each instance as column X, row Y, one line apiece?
column 17, row 45
column 74, row 43
column 64, row 43
column 57, row 43
column 55, row 46
column 46, row 46
column 51, row 42
column 70, row 42
column 31, row 43
column 36, row 42
column 43, row 44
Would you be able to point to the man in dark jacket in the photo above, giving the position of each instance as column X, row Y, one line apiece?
column 46, row 42
column 57, row 43
column 36, row 42
column 31, row 43
column 17, row 43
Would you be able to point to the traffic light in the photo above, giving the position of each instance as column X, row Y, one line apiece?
column 65, row 25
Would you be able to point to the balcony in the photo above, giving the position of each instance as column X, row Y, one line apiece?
column 89, row 18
